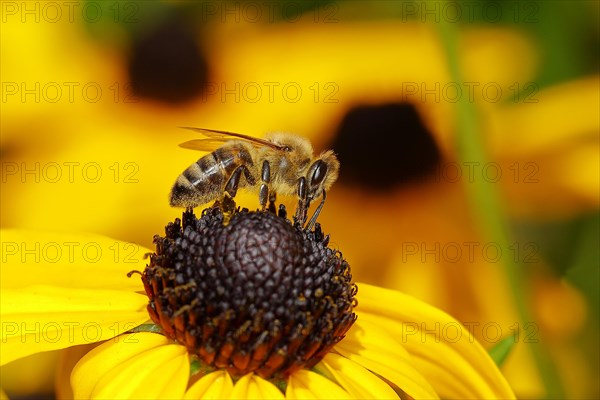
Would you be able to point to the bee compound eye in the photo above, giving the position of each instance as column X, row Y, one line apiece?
column 318, row 172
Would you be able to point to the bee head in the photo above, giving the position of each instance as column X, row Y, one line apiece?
column 294, row 146
column 296, row 155
column 322, row 173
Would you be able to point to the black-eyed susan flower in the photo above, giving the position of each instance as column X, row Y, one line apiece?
column 251, row 307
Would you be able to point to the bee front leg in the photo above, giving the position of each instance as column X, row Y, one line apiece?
column 263, row 191
column 313, row 219
column 272, row 198
column 303, row 202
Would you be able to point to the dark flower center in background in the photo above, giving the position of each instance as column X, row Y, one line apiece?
column 381, row 147
column 254, row 295
column 167, row 64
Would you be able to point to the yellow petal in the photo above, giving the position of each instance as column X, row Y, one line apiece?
column 165, row 375
column 68, row 358
column 538, row 124
column 370, row 346
column 557, row 185
column 252, row 386
column 443, row 350
column 578, row 173
column 103, row 358
column 142, row 365
column 68, row 260
column 304, row 384
column 508, row 55
column 31, row 376
column 216, row 385
column 42, row 318
column 358, row 381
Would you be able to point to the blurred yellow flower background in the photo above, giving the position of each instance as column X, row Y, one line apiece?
column 93, row 94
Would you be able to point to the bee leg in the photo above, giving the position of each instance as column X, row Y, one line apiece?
column 227, row 205
column 272, row 198
column 249, row 178
column 313, row 219
column 282, row 213
column 233, row 183
column 230, row 191
column 303, row 202
column 263, row 191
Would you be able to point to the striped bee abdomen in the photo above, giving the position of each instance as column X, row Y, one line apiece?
column 204, row 180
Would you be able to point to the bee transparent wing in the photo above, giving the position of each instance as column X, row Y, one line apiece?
column 208, row 145
column 224, row 136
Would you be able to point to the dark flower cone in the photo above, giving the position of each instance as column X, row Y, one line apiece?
column 255, row 295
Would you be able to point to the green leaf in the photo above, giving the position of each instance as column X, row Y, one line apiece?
column 501, row 350
column 199, row 367
column 195, row 366
column 152, row 328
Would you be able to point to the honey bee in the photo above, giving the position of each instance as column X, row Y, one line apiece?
column 280, row 164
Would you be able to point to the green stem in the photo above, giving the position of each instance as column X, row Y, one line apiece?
column 488, row 211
